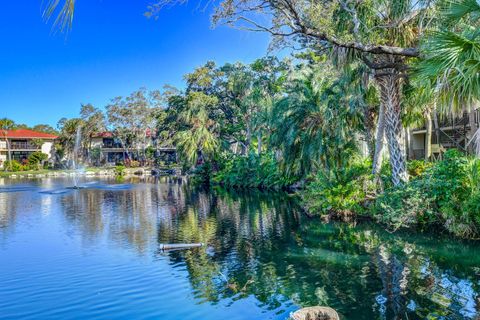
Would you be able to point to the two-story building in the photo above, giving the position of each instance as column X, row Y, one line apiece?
column 111, row 147
column 447, row 132
column 23, row 142
column 113, row 152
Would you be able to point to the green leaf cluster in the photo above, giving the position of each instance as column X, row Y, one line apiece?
column 252, row 171
column 446, row 194
column 342, row 193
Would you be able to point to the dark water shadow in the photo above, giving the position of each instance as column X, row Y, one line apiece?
column 57, row 191
column 93, row 185
column 20, row 188
column 125, row 186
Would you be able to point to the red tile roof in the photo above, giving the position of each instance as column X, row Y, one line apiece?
column 25, row 133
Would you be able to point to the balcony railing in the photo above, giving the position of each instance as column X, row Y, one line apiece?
column 111, row 146
column 450, row 122
column 23, row 146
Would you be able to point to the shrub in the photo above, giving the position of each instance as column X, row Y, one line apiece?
column 342, row 192
column 252, row 171
column 13, row 165
column 35, row 159
column 405, row 206
column 150, row 152
column 134, row 164
column 447, row 193
column 119, row 170
column 416, row 168
column 202, row 173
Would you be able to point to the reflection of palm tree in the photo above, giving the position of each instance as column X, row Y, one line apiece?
column 394, row 278
column 261, row 250
column 240, row 230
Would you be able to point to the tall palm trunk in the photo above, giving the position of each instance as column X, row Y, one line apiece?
column 379, row 141
column 390, row 86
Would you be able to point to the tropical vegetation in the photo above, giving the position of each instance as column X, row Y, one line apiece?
column 365, row 74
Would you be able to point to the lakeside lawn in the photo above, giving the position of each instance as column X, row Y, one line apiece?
column 4, row 174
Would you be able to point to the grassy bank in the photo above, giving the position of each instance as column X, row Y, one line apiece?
column 5, row 174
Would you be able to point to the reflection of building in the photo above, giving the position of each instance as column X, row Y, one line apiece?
column 112, row 150
column 447, row 132
column 23, row 142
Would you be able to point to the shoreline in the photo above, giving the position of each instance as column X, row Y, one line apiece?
column 89, row 172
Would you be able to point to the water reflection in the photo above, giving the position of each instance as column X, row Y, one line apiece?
column 261, row 246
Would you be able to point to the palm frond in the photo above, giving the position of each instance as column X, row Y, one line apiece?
column 452, row 63
column 458, row 9
column 63, row 11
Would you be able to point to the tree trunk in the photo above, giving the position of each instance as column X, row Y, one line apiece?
column 9, row 151
column 126, row 154
column 259, row 143
column 379, row 140
column 235, row 148
column 369, row 125
column 428, row 135
column 249, row 139
column 390, row 96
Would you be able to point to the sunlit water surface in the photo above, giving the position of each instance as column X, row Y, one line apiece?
column 94, row 253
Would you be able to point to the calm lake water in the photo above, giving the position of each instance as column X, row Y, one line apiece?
column 94, row 253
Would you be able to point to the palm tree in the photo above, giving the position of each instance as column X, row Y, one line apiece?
column 452, row 59
column 315, row 124
column 93, row 122
column 68, row 130
column 382, row 34
column 200, row 138
column 419, row 106
column 5, row 126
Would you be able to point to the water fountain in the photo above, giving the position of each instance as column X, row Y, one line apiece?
column 75, row 162
column 78, row 169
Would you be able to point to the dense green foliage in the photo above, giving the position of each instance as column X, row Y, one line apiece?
column 446, row 194
column 35, row 161
column 15, row 166
column 252, row 171
column 119, row 170
column 385, row 66
column 344, row 192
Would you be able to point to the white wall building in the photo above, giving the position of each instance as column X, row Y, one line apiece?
column 23, row 142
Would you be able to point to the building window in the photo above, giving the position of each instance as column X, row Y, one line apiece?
column 20, row 156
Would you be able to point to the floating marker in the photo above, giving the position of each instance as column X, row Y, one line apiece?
column 178, row 246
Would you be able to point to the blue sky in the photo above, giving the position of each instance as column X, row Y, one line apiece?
column 111, row 51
